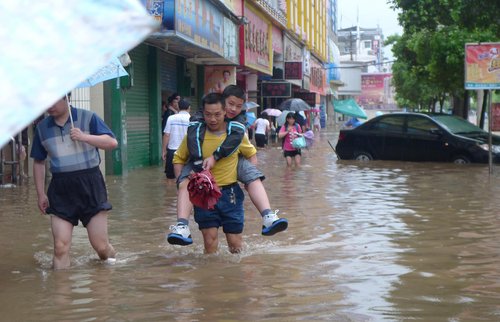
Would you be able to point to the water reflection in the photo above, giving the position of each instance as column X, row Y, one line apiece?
column 378, row 241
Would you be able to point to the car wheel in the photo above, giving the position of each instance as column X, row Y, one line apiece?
column 362, row 156
column 461, row 159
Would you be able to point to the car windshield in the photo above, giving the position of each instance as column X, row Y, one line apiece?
column 457, row 125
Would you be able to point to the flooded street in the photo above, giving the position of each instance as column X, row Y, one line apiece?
column 377, row 241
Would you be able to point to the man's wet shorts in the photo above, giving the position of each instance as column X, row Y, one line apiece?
column 247, row 172
column 77, row 195
column 228, row 211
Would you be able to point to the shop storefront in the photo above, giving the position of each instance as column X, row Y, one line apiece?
column 193, row 34
column 256, row 51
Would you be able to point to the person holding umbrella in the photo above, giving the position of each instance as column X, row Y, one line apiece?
column 77, row 191
column 288, row 132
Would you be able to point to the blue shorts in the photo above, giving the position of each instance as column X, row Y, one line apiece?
column 228, row 212
column 247, row 172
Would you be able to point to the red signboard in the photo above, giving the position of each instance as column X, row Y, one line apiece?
column 256, row 47
column 495, row 112
column 376, row 91
column 276, row 89
column 293, row 70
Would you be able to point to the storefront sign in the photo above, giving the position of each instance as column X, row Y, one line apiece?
column 154, row 8
column 293, row 70
column 276, row 89
column 307, row 62
column 162, row 11
column 318, row 78
column 277, row 40
column 230, row 41
column 200, row 21
column 293, row 52
column 257, row 42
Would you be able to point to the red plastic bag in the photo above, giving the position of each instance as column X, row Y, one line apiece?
column 203, row 190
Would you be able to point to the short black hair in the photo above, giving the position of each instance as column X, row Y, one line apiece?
column 67, row 96
column 233, row 90
column 172, row 97
column 212, row 98
column 184, row 105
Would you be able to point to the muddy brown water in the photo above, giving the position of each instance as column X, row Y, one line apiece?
column 377, row 241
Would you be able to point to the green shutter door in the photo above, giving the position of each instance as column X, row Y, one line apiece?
column 137, row 111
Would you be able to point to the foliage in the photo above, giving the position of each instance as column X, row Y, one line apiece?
column 430, row 54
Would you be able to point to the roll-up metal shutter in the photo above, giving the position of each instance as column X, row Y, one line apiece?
column 137, row 111
column 168, row 72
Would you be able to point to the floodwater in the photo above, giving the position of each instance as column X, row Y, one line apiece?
column 377, row 241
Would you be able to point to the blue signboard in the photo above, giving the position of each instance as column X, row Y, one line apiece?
column 197, row 20
column 332, row 72
column 200, row 21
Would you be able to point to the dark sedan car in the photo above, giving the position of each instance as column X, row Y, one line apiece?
column 417, row 137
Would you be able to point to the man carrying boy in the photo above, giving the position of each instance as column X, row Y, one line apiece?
column 229, row 211
column 233, row 97
column 77, row 191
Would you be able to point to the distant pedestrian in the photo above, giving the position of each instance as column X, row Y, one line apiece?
column 316, row 122
column 169, row 108
column 352, row 123
column 262, row 128
column 175, row 131
column 289, row 131
column 172, row 108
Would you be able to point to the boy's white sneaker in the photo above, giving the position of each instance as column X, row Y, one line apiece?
column 272, row 224
column 179, row 235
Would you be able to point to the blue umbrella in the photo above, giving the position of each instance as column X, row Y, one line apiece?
column 113, row 69
column 250, row 118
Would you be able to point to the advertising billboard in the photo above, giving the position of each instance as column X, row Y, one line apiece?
column 482, row 66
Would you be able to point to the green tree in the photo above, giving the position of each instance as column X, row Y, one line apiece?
column 430, row 53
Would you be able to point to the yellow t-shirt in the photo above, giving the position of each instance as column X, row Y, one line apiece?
column 225, row 170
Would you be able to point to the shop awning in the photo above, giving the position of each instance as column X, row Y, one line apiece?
column 349, row 107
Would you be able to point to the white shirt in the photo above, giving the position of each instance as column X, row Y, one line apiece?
column 176, row 127
column 261, row 126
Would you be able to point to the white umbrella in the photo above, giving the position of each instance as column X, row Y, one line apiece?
column 272, row 112
column 282, row 118
column 56, row 44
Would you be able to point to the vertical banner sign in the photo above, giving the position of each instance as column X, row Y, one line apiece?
column 482, row 66
column 258, row 49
